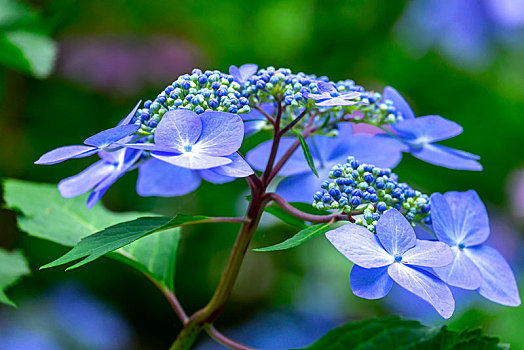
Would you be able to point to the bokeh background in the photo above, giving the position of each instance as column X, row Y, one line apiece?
column 462, row 59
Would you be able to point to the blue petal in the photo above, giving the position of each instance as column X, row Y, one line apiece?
column 255, row 120
column 442, row 220
column 326, row 88
column 425, row 286
column 222, row 134
column 158, row 178
column 126, row 158
column 370, row 283
column 335, row 101
column 192, row 160
column 95, row 196
column 243, row 73
column 211, row 176
column 428, row 254
column 302, row 187
column 398, row 101
column 498, row 281
column 445, row 157
column 67, row 152
column 237, row 168
column 427, row 129
column 462, row 272
column 395, row 232
column 130, row 116
column 81, row 183
column 359, row 245
column 178, row 128
column 109, row 136
column 469, row 217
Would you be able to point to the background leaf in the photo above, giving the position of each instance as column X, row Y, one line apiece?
column 12, row 267
column 395, row 333
column 46, row 215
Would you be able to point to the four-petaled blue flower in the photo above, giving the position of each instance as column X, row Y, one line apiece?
column 103, row 140
column 461, row 221
column 394, row 254
column 326, row 151
column 328, row 96
column 243, row 73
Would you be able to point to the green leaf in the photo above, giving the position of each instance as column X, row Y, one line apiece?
column 307, row 154
column 12, row 267
column 299, row 238
column 46, row 215
column 29, row 52
column 395, row 333
column 117, row 236
column 283, row 215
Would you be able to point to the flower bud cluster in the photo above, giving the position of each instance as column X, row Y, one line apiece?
column 370, row 191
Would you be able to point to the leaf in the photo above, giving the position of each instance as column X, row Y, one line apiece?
column 299, row 238
column 307, row 154
column 48, row 216
column 117, row 236
column 12, row 267
column 283, row 215
column 29, row 52
column 395, row 333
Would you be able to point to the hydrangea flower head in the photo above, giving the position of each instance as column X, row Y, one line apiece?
column 461, row 221
column 328, row 96
column 394, row 254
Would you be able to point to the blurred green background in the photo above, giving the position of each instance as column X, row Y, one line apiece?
column 113, row 52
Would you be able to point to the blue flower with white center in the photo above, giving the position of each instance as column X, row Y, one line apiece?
column 461, row 221
column 328, row 96
column 243, row 73
column 326, row 151
column 195, row 141
column 103, row 140
column 99, row 176
column 394, row 254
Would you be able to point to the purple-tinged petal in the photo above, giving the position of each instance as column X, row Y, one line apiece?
column 222, row 134
column 395, row 232
column 125, row 159
column 326, row 88
column 130, row 116
column 109, row 136
column 153, row 147
column 425, row 286
column 428, row 129
column 302, row 187
column 81, row 183
column 469, row 216
column 211, row 176
column 296, row 164
column 242, row 73
column 178, row 128
column 94, row 197
column 64, row 153
column 158, row 178
column 442, row 220
column 255, row 120
column 498, row 281
column 398, row 101
column 350, row 95
column 192, row 160
column 237, row 168
column 370, row 283
column 336, row 101
column 359, row 245
column 315, row 96
column 462, row 272
column 445, row 157
column 428, row 254
column 459, row 153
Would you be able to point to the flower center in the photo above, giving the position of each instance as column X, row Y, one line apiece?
column 398, row 258
column 188, row 148
column 461, row 246
column 334, row 94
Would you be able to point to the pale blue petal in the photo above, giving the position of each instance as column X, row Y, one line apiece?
column 158, row 178
column 445, row 157
column 109, row 136
column 130, row 116
column 326, row 88
column 211, row 176
column 428, row 254
column 395, row 232
column 178, row 128
column 126, row 158
column 67, row 152
column 370, row 283
column 154, row 147
column 192, row 160
column 359, row 245
column 222, row 134
column 462, row 272
column 442, row 220
column 81, row 183
column 425, row 286
column 427, row 129
column 255, row 120
column 335, row 101
column 95, row 196
column 243, row 73
column 469, row 216
column 237, row 168
column 398, row 101
column 498, row 281
column 296, row 164
column 459, row 153
column 302, row 187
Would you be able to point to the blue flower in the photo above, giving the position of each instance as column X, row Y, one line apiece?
column 329, row 96
column 243, row 73
column 394, row 254
column 195, row 141
column 99, row 176
column 401, row 106
column 102, row 140
column 461, row 221
column 326, row 151
column 255, row 120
